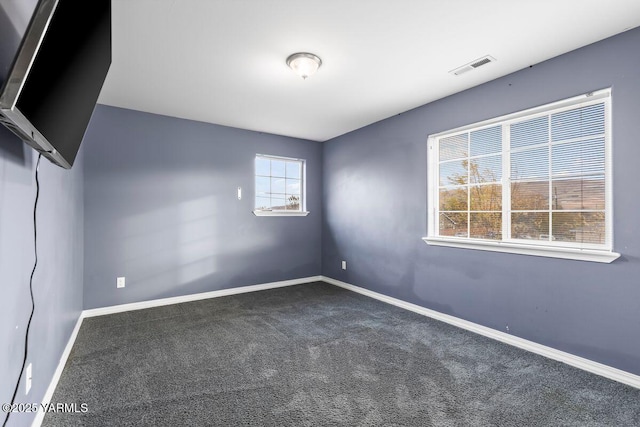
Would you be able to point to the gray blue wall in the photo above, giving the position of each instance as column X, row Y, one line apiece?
column 57, row 283
column 162, row 210
column 374, row 202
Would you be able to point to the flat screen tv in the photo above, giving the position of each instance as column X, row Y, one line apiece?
column 56, row 76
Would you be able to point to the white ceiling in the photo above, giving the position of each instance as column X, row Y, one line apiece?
column 223, row 61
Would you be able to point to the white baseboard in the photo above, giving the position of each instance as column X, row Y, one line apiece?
column 194, row 297
column 46, row 399
column 549, row 352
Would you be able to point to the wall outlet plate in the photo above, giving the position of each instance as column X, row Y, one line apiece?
column 120, row 282
column 344, row 265
column 28, row 378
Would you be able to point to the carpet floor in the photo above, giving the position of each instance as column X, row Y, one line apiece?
column 317, row 355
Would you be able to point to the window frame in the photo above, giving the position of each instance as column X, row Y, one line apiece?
column 567, row 250
column 302, row 211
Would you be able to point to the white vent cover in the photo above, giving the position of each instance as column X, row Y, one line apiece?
column 473, row 65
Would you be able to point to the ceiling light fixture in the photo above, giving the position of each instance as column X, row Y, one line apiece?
column 304, row 64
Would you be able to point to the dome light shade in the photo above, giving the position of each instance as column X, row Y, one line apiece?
column 304, row 64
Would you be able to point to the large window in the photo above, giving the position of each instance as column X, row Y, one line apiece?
column 536, row 182
column 279, row 186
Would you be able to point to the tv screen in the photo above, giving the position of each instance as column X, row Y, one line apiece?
column 56, row 76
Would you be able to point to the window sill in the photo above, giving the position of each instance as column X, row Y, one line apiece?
column 280, row 213
column 515, row 248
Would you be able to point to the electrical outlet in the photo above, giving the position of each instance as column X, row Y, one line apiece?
column 120, row 282
column 28, row 378
column 344, row 265
column 239, row 193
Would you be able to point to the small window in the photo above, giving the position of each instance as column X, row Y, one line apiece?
column 279, row 186
column 537, row 182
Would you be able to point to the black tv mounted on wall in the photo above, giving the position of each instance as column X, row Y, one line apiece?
column 56, row 76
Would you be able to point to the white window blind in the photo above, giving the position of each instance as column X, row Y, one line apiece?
column 534, row 179
column 558, row 190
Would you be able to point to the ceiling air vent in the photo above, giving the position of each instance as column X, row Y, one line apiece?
column 473, row 65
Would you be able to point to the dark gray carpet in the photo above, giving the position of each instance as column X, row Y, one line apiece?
column 317, row 355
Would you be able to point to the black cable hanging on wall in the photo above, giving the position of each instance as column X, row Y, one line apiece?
column 33, row 304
